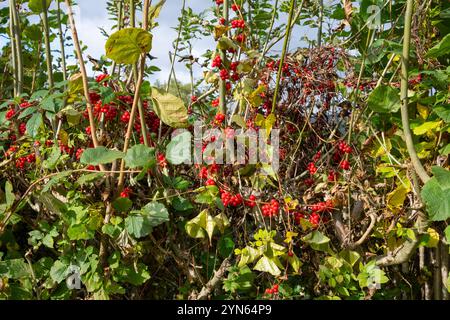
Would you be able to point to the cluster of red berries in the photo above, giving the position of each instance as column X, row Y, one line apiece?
column 273, row 290
column 312, row 168
column 217, row 62
column 238, row 24
column 344, row 147
column 224, row 74
column 79, row 153
column 10, row 113
column 101, row 77
column 219, row 119
column 162, row 161
column 230, row 200
column 251, row 202
column 235, row 7
column 271, row 209
column 219, row 2
column 345, row 165
column 22, row 128
column 126, row 193
column 332, row 176
column 321, row 207
column 215, row 103
column 22, row 161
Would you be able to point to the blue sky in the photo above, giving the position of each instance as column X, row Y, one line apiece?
column 92, row 15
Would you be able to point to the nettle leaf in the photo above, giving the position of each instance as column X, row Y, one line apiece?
column 384, row 99
column 140, row 156
column 34, row 124
column 14, row 269
column 37, row 5
column 178, row 150
column 100, row 155
column 141, row 223
column 436, row 195
column 126, row 45
column 442, row 48
column 170, row 109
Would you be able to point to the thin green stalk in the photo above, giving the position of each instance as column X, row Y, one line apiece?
column 418, row 167
column 319, row 31
column 283, row 55
column 18, row 46
column 172, row 67
column 61, row 42
column 13, row 46
column 223, row 56
column 48, row 54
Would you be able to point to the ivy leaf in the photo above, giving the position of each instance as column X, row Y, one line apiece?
column 137, row 225
column 140, row 156
column 100, row 155
column 384, row 99
column 34, row 124
column 156, row 213
column 58, row 271
column 170, row 109
column 265, row 264
column 178, row 150
column 126, row 46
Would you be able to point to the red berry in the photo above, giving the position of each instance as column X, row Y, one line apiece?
column 345, row 165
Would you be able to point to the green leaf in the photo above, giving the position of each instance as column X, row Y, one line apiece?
column 447, row 234
column 318, row 241
column 181, row 204
column 437, row 200
column 170, row 109
column 58, row 271
column 122, row 204
column 9, row 195
column 34, row 124
column 225, row 246
column 141, row 223
column 37, row 7
column 48, row 104
column 14, row 269
column 195, row 228
column 445, row 150
column 426, row 127
column 442, row 48
column 265, row 264
column 140, row 156
column 80, row 232
column 156, row 213
column 178, row 150
column 88, row 178
column 384, row 99
column 443, row 176
column 127, row 45
column 100, row 155
column 443, row 112
column 154, row 11
column 137, row 225
column 76, row 84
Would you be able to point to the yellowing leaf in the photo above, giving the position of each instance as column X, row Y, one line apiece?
column 427, row 127
column 220, row 30
column 291, row 203
column 434, row 238
column 289, row 236
column 423, row 111
column 265, row 264
column 154, row 11
column 170, row 109
column 127, row 45
column 396, row 198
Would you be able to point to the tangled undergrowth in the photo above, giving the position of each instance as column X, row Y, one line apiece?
column 96, row 184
